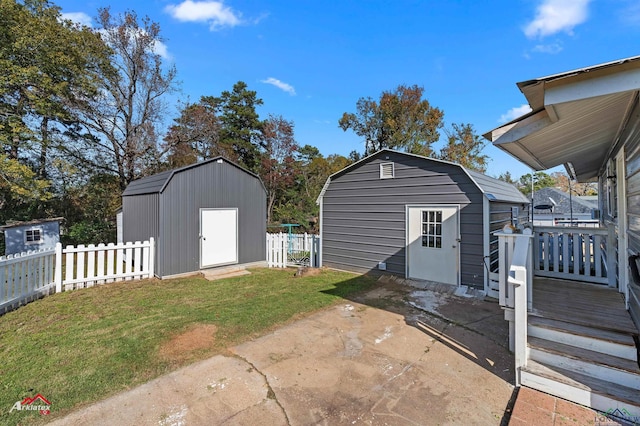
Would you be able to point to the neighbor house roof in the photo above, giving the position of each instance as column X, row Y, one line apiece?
column 561, row 201
column 157, row 183
column 577, row 118
column 494, row 189
column 16, row 224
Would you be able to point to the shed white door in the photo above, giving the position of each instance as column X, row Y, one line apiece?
column 218, row 237
column 432, row 243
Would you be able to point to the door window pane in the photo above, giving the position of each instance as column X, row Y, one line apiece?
column 432, row 228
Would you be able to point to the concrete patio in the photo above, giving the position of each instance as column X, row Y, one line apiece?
column 401, row 354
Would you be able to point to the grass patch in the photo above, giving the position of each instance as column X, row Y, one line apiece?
column 81, row 346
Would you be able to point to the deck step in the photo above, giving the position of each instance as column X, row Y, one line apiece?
column 584, row 361
column 595, row 393
column 619, row 344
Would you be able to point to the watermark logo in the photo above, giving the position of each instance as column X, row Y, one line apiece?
column 614, row 415
column 37, row 403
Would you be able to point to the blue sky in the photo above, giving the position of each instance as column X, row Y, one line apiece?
column 310, row 61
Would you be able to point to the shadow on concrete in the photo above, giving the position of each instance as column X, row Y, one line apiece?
column 471, row 325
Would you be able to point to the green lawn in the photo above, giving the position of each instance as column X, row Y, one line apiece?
column 81, row 346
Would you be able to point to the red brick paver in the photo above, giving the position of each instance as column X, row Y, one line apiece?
column 538, row 408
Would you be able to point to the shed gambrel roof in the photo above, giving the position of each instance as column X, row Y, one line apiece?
column 156, row 183
column 494, row 189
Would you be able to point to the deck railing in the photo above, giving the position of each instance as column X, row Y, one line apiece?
column 581, row 254
column 520, row 281
column 574, row 253
column 516, row 278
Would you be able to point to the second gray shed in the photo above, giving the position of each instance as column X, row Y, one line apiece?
column 416, row 217
column 205, row 215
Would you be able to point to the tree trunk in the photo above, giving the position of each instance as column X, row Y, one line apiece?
column 44, row 144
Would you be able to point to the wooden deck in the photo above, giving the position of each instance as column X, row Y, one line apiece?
column 580, row 303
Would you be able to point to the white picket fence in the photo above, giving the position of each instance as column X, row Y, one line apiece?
column 90, row 265
column 292, row 249
column 27, row 276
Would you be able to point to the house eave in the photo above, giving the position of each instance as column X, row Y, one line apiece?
column 578, row 118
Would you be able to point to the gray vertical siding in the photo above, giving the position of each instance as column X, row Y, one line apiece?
column 172, row 216
column 211, row 185
column 499, row 216
column 364, row 216
column 140, row 217
column 631, row 139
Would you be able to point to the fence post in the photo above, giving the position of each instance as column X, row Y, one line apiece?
column 285, row 250
column 58, row 268
column 152, row 256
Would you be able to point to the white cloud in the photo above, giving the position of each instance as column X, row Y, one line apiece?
column 554, row 16
column 77, row 17
column 280, row 85
column 552, row 48
column 514, row 113
column 161, row 49
column 215, row 13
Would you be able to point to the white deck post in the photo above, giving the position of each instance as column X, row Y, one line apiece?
column 519, row 280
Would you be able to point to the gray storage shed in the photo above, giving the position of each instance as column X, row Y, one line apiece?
column 205, row 215
column 416, row 217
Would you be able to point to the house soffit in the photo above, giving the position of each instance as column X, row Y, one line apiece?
column 579, row 131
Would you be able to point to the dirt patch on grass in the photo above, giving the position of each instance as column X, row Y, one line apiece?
column 184, row 346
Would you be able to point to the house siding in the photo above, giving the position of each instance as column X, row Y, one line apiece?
column 364, row 216
column 631, row 140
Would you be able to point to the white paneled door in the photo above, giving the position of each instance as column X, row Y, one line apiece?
column 218, row 237
column 433, row 243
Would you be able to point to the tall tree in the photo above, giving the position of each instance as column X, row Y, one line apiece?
column 240, row 125
column 19, row 184
column 48, row 66
column 401, row 119
column 562, row 182
column 506, row 177
column 123, row 119
column 464, row 147
column 195, row 135
column 540, row 180
column 278, row 169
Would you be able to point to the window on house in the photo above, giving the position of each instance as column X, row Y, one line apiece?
column 432, row 228
column 33, row 236
column 386, row 170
